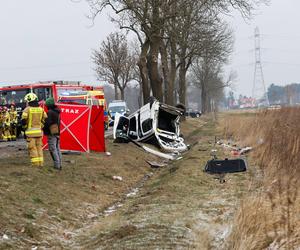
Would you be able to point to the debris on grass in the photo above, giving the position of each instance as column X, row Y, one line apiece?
column 155, row 164
column 216, row 166
column 119, row 178
column 133, row 192
column 5, row 237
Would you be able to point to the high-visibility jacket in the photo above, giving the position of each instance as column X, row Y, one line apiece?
column 1, row 117
column 13, row 116
column 35, row 119
column 6, row 119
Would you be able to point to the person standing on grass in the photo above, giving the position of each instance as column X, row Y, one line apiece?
column 52, row 131
column 33, row 118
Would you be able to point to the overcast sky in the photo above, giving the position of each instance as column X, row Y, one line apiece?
column 52, row 40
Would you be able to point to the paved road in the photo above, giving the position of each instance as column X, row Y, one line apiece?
column 108, row 132
column 19, row 143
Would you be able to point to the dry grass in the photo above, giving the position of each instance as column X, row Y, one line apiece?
column 180, row 207
column 41, row 206
column 270, row 218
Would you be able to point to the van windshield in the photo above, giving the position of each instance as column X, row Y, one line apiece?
column 118, row 109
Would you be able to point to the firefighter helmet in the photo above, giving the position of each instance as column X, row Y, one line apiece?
column 30, row 97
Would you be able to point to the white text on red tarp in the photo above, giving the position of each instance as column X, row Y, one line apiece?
column 70, row 111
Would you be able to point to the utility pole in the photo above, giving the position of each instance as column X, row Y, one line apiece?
column 259, row 89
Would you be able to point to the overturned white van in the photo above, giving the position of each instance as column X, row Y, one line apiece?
column 154, row 123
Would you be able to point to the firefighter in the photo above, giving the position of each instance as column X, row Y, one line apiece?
column 33, row 118
column 6, row 124
column 13, row 122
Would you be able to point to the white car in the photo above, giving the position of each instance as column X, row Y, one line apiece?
column 154, row 123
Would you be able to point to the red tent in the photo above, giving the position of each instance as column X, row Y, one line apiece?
column 82, row 128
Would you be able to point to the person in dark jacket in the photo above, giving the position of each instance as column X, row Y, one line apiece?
column 52, row 131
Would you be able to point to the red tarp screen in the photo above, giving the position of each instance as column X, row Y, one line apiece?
column 82, row 128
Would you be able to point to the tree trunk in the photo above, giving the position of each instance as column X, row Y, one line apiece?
column 116, row 91
column 165, row 70
column 152, row 63
column 142, row 64
column 182, row 83
column 169, row 72
column 204, row 97
column 122, row 90
column 141, row 98
column 172, row 75
column 199, row 101
column 152, row 59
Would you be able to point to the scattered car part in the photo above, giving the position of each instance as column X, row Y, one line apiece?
column 216, row 166
column 119, row 178
column 155, row 164
column 155, row 152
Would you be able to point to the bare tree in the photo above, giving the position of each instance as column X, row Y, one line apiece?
column 114, row 62
column 209, row 77
column 172, row 33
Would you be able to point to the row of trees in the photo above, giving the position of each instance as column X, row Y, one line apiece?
column 176, row 38
column 289, row 94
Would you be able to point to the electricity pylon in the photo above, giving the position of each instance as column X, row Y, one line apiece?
column 259, row 89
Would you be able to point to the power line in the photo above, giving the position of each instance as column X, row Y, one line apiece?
column 282, row 63
column 285, row 36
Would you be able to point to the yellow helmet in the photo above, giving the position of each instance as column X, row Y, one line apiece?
column 30, row 97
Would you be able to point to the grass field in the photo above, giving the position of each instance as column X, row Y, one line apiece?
column 83, row 207
column 270, row 217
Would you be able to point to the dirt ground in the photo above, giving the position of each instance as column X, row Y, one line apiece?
column 84, row 207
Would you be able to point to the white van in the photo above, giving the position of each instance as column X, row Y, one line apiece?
column 117, row 106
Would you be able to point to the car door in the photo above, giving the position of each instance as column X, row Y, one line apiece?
column 146, row 121
column 120, row 125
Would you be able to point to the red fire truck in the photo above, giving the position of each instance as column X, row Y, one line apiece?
column 15, row 93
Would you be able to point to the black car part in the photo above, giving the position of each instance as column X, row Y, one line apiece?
column 216, row 166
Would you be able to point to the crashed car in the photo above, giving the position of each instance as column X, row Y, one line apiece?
column 155, row 123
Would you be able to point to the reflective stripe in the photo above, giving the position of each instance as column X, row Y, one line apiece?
column 37, row 159
column 35, row 110
column 32, row 111
column 34, row 132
